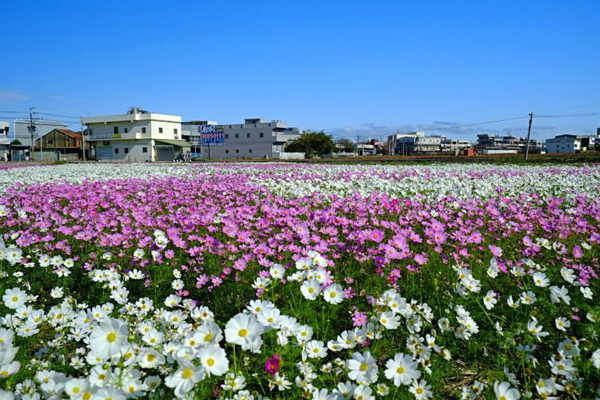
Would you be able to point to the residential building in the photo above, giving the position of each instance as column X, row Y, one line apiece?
column 398, row 144
column 570, row 143
column 136, row 136
column 255, row 138
column 59, row 144
column 414, row 142
column 41, row 127
column 4, row 141
column 454, row 145
column 494, row 143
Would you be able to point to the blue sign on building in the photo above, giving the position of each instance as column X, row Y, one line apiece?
column 212, row 135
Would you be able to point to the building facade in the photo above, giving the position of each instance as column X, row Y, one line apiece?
column 570, row 143
column 490, row 144
column 41, row 127
column 60, row 144
column 137, row 136
column 255, row 138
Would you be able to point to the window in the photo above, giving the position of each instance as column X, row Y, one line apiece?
column 91, row 131
column 237, row 135
column 144, row 149
column 106, row 142
column 250, row 151
column 248, row 135
column 144, row 130
column 226, row 151
column 160, row 130
column 116, row 129
column 116, row 150
column 175, row 132
column 227, row 136
column 262, row 134
column 125, row 130
column 237, row 150
column 126, row 150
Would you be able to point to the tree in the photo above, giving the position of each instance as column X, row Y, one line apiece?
column 15, row 142
column 347, row 145
column 312, row 143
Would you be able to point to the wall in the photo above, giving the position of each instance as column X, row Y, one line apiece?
column 135, row 151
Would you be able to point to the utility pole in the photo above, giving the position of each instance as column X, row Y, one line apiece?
column 82, row 138
column 31, row 131
column 528, row 136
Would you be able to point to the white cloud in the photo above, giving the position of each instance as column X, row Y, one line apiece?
column 12, row 96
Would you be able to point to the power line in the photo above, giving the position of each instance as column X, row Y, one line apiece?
column 474, row 124
column 590, row 114
column 57, row 115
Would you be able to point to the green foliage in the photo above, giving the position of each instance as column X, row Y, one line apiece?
column 312, row 143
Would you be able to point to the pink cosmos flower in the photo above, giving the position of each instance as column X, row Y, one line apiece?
column 359, row 318
column 272, row 364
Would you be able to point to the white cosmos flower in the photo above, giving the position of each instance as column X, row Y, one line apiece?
column 587, row 292
column 557, row 294
column 277, row 271
column 503, row 391
column 489, row 300
column 214, row 360
column 421, row 390
column 14, row 298
column 596, row 358
column 333, row 294
column 562, row 324
column 528, row 298
column 362, row 368
column 540, row 279
column 185, row 378
column 402, row 369
column 311, row 289
column 108, row 338
column 568, row 274
column 536, row 330
column 389, row 320
column 243, row 330
column 316, row 349
column 57, row 292
column 109, row 393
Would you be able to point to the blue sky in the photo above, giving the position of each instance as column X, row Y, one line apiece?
column 349, row 67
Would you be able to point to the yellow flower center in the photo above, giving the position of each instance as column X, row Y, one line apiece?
column 15, row 298
column 210, row 362
column 419, row 390
column 187, row 373
column 111, row 337
column 76, row 390
column 243, row 333
column 364, row 366
column 208, row 337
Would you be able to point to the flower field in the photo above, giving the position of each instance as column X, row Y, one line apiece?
column 284, row 281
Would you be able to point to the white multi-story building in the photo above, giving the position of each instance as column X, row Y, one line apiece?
column 137, row 136
column 570, row 143
column 41, row 127
column 255, row 138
